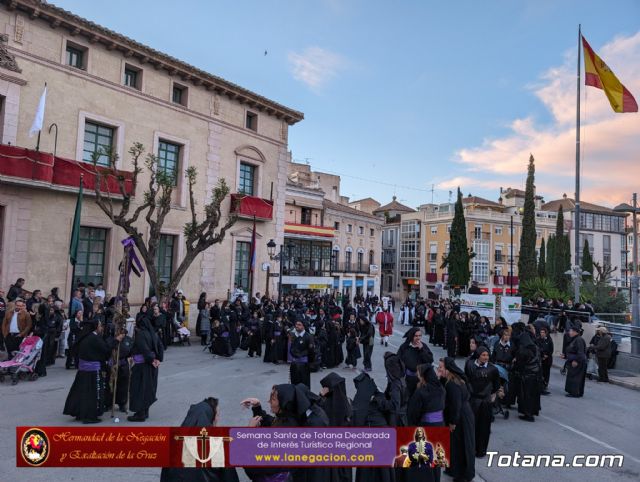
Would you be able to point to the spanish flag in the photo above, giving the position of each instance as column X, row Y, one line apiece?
column 598, row 74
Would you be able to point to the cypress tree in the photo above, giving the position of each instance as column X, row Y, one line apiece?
column 542, row 262
column 551, row 253
column 562, row 254
column 459, row 256
column 527, row 263
column 587, row 260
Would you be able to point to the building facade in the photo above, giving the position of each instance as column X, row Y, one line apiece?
column 356, row 250
column 105, row 90
column 390, row 283
column 602, row 228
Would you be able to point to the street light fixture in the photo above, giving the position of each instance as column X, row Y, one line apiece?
column 271, row 249
column 635, row 307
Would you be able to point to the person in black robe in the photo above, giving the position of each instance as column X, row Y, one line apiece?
column 413, row 353
column 86, row 400
column 336, row 405
column 396, row 391
column 268, row 332
column 458, row 416
column 147, row 355
column 301, row 351
column 438, row 328
column 333, row 353
column 353, row 349
column 280, row 339
column 464, row 334
column 283, row 404
column 334, row 400
column 253, row 331
column 484, row 381
column 124, row 372
column 371, row 409
column 367, row 334
column 527, row 373
column 220, row 345
column 545, row 345
column 72, row 338
column 451, row 333
column 203, row 414
column 426, row 408
column 576, row 356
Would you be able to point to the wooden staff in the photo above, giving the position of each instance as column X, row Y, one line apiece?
column 120, row 319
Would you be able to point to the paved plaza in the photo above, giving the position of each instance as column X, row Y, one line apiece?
column 605, row 421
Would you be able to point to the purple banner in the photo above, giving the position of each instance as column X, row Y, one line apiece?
column 313, row 446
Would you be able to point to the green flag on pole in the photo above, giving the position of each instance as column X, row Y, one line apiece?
column 75, row 232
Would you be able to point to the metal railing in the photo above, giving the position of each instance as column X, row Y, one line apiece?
column 624, row 334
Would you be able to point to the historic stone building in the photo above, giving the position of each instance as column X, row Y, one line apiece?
column 106, row 90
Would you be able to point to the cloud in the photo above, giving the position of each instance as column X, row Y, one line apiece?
column 610, row 141
column 466, row 183
column 315, row 66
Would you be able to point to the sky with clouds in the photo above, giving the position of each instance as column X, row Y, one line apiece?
column 419, row 97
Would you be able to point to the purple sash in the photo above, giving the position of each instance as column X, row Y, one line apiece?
column 88, row 366
column 140, row 358
column 432, row 417
column 299, row 359
column 279, row 477
column 410, row 373
column 277, row 333
column 225, row 334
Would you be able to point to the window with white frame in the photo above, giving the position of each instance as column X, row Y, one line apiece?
column 361, row 230
column 433, row 251
column 498, row 230
column 477, row 231
column 434, row 229
column 349, row 228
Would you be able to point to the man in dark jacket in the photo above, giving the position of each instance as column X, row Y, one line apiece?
column 545, row 345
column 602, row 350
column 367, row 333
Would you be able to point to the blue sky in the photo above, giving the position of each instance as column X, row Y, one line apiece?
column 416, row 93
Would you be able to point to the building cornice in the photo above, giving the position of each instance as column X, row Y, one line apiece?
column 96, row 34
column 136, row 93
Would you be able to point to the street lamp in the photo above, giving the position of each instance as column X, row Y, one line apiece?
column 271, row 249
column 635, row 308
column 280, row 257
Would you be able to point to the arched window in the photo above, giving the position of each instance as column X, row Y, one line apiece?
column 348, row 252
column 360, row 263
column 335, row 258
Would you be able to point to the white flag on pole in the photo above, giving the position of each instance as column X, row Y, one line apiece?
column 39, row 118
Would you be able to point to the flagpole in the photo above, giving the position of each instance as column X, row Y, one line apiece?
column 577, row 271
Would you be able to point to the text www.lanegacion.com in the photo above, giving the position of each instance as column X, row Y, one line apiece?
column 314, row 458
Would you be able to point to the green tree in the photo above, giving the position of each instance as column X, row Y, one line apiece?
column 457, row 261
column 551, row 260
column 587, row 261
column 527, row 263
column 562, row 254
column 542, row 262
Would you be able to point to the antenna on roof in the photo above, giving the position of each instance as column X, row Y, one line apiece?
column 432, row 189
column 450, row 194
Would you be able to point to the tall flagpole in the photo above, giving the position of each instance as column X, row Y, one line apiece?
column 577, row 270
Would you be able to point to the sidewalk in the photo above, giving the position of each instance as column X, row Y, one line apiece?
column 616, row 377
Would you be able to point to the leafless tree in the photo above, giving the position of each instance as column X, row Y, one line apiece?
column 152, row 208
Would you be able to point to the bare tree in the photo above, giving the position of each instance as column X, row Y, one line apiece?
column 153, row 207
column 603, row 272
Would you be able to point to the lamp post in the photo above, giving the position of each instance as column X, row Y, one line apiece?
column 635, row 308
column 271, row 251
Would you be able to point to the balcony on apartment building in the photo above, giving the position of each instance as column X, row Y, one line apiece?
column 251, row 207
column 432, row 278
column 357, row 268
column 40, row 169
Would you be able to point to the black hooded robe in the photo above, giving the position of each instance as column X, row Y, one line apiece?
column 144, row 376
column 412, row 357
column 369, row 411
column 576, row 351
column 484, row 382
column 199, row 415
column 86, row 398
column 302, row 354
column 527, row 371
